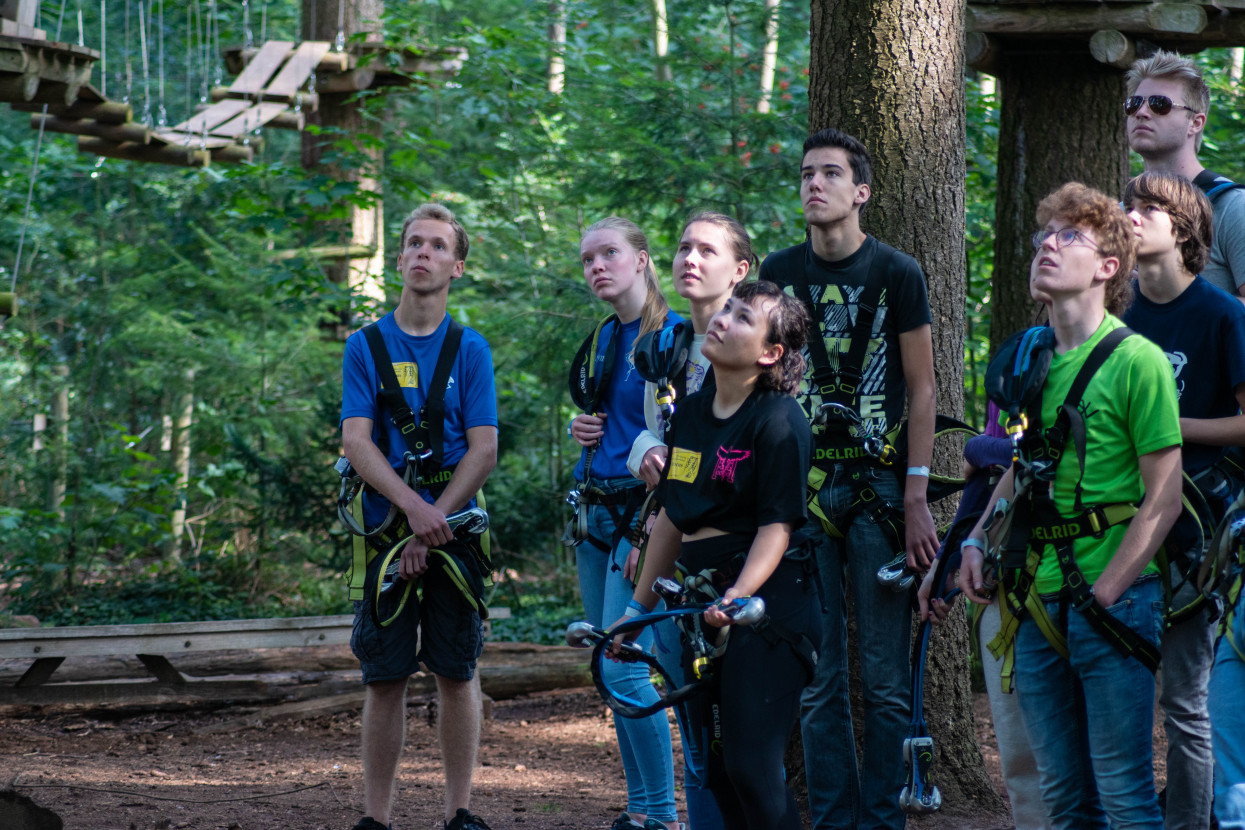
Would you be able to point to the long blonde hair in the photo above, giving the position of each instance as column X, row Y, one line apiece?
column 653, row 315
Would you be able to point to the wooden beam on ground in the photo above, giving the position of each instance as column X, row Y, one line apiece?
column 1067, row 19
column 39, row 672
column 131, row 132
column 173, row 154
column 1114, row 48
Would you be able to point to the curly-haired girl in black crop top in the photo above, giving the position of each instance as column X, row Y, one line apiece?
column 733, row 495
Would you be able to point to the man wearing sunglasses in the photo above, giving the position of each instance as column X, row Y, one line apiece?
column 1166, row 107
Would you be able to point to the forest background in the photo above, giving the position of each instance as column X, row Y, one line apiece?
column 148, row 291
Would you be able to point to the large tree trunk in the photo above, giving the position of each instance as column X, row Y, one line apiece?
column 1060, row 121
column 326, row 20
column 893, row 76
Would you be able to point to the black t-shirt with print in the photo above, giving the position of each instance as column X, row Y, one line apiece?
column 738, row 473
column 836, row 288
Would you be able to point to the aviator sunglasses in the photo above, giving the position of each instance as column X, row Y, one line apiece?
column 1159, row 105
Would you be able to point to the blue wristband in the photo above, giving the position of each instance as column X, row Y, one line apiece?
column 919, row 471
column 635, row 609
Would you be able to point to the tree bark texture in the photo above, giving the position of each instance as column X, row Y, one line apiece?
column 338, row 114
column 891, row 73
column 1060, row 121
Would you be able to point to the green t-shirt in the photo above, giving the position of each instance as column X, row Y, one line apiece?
column 1130, row 409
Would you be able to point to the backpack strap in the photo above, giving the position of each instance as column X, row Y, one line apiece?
column 587, row 387
column 1212, row 184
column 841, row 384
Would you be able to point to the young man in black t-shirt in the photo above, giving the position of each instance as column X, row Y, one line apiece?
column 832, row 272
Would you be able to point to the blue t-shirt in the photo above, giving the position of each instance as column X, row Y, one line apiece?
column 623, row 402
column 1202, row 332
column 470, row 398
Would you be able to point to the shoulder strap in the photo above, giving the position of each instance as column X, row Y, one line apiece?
column 846, row 380
column 433, row 415
column 1212, row 184
column 1069, row 423
column 426, row 433
column 587, row 389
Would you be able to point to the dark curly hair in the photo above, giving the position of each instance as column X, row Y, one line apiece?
column 788, row 327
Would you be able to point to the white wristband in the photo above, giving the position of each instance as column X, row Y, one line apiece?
column 918, row 471
column 973, row 542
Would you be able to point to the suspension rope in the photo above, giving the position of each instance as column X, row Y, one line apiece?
column 34, row 176
column 103, row 48
column 162, row 115
column 129, row 67
column 213, row 44
column 339, row 43
column 143, row 20
column 81, row 33
column 248, row 38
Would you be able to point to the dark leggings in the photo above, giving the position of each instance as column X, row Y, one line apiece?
column 757, row 701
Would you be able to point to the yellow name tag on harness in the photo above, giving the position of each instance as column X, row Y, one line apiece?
column 408, row 375
column 684, row 465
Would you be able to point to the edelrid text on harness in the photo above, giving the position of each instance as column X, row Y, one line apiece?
column 1015, row 381
column 841, row 436
column 424, row 455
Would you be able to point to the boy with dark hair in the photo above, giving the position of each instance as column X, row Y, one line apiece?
column 1167, row 106
column 441, row 630
column 1202, row 332
column 1085, row 648
column 869, row 347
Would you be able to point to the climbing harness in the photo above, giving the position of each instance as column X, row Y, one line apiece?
column 1015, row 381
column 423, row 469
column 588, row 389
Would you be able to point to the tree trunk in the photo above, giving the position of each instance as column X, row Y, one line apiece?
column 661, row 41
column 557, row 46
column 769, row 60
column 180, row 453
column 893, row 76
column 338, row 115
column 1042, row 146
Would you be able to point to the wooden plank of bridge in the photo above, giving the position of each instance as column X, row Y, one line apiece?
column 250, row 119
column 252, row 80
column 297, row 70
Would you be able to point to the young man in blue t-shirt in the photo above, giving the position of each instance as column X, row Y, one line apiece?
column 433, row 254
column 1201, row 329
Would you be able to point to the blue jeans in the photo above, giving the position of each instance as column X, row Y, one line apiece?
column 644, row 743
column 1188, row 651
column 1227, row 723
column 1090, row 717
column 702, row 808
column 841, row 795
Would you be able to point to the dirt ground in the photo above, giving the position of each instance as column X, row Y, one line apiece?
column 546, row 761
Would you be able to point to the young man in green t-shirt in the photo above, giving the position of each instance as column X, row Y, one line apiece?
column 1095, row 701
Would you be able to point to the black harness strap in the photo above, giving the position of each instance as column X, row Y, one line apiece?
column 842, row 383
column 426, row 434
column 1042, row 524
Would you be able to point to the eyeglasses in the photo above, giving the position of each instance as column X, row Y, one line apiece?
column 1063, row 238
column 1159, row 105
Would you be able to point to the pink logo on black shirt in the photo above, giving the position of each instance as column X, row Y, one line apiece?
column 727, row 461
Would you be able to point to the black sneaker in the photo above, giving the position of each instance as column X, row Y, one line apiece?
column 466, row 820
column 625, row 822
column 369, row 823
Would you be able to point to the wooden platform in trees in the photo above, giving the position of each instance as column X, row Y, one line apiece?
column 1114, row 32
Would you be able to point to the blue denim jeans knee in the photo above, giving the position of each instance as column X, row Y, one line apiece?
column 840, row 794
column 1090, row 717
column 644, row 743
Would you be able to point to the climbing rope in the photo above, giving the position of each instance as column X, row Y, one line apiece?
column 34, row 176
